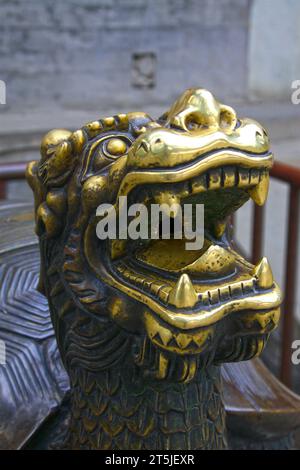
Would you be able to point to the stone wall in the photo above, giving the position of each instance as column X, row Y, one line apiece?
column 274, row 48
column 121, row 53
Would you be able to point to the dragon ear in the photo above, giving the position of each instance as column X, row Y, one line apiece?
column 51, row 140
column 57, row 158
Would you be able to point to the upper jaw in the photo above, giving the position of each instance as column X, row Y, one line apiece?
column 214, row 160
column 169, row 148
column 164, row 155
column 237, row 173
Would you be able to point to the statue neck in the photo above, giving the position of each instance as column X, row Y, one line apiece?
column 119, row 409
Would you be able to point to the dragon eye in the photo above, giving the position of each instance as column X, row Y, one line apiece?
column 115, row 147
column 104, row 151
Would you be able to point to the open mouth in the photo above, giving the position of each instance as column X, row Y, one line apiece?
column 183, row 300
column 190, row 289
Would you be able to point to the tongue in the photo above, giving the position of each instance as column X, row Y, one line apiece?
column 171, row 255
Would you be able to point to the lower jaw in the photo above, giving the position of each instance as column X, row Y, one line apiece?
column 186, row 319
column 203, row 315
column 236, row 290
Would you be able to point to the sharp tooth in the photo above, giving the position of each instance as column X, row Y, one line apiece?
column 264, row 274
column 183, row 294
column 260, row 192
column 219, row 229
column 168, row 200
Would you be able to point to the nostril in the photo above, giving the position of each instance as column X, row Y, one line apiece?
column 158, row 146
column 195, row 123
column 144, row 145
column 261, row 137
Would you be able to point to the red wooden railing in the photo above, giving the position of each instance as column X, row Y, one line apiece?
column 282, row 172
column 290, row 175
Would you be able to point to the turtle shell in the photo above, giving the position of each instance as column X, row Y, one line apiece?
column 33, row 381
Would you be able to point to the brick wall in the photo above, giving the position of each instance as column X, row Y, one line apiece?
column 120, row 53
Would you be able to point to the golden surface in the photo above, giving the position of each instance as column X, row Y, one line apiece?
column 184, row 302
column 183, row 294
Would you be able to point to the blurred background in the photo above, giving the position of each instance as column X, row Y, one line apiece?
column 68, row 62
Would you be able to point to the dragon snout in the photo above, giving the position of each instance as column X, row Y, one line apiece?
column 199, row 109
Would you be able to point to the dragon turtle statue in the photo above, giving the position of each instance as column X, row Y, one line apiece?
column 142, row 326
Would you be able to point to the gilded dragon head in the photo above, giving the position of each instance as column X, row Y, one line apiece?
column 178, row 308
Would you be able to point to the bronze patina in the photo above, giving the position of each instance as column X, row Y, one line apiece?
column 142, row 328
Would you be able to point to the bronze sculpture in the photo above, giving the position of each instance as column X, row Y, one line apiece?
column 143, row 328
